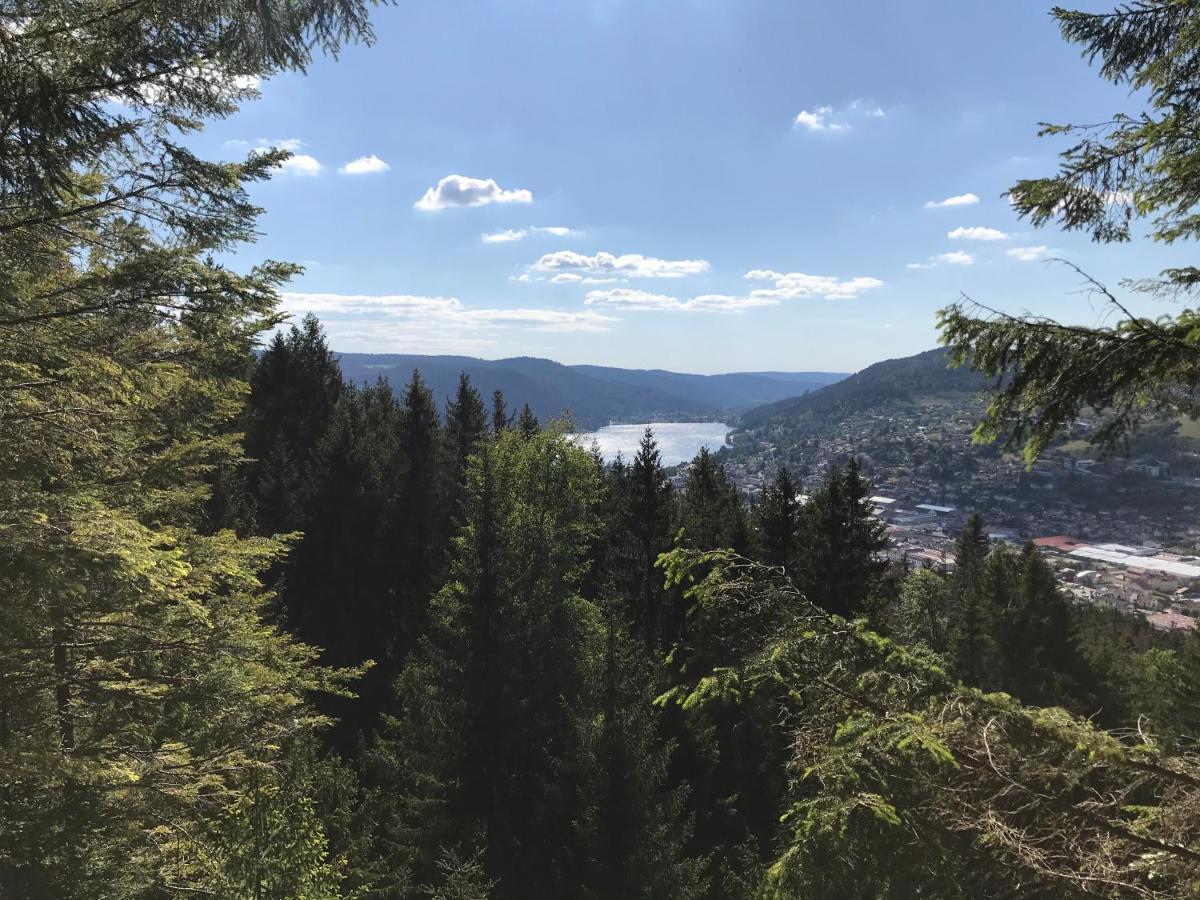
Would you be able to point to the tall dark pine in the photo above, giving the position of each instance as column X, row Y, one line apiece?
column 466, row 426
column 779, row 521
column 527, row 422
column 294, row 390
column 711, row 511
column 971, row 614
column 488, row 753
column 500, row 420
column 422, row 519
column 841, row 543
column 641, row 824
column 647, row 529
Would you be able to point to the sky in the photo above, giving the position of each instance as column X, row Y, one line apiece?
column 696, row 185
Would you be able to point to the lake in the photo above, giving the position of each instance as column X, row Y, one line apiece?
column 677, row 441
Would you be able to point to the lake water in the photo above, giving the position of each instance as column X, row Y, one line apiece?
column 677, row 441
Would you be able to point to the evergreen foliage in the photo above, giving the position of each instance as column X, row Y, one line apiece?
column 1136, row 166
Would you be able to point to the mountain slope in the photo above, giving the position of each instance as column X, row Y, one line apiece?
column 905, row 380
column 595, row 395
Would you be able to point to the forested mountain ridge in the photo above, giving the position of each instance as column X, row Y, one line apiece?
column 904, row 380
column 594, row 395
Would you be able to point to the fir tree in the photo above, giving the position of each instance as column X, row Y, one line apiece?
column 488, row 755
column 527, row 423
column 841, row 543
column 778, row 517
column 144, row 692
column 500, row 420
column 647, row 528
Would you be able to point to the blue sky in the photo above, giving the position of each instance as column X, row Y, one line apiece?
column 699, row 185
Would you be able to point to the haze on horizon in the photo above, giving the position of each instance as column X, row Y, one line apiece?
column 688, row 185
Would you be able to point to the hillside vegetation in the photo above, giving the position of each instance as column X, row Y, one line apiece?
column 594, row 395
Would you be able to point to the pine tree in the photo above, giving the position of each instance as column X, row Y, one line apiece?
column 143, row 692
column 500, row 420
column 972, row 616
column 778, row 519
column 466, row 426
column 647, row 530
column 641, row 825
column 423, row 522
column 527, row 423
column 487, row 754
column 710, row 509
column 295, row 387
column 841, row 543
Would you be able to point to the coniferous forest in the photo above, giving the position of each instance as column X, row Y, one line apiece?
column 266, row 632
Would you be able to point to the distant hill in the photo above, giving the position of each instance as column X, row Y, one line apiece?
column 594, row 395
column 906, row 380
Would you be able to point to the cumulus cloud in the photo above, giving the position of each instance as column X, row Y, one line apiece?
column 924, row 265
column 834, row 121
column 430, row 323
column 1028, row 254
column 627, row 265
column 956, row 200
column 364, row 165
column 636, row 300
column 977, row 233
column 519, row 234
column 300, row 164
column 820, row 119
column 460, row 190
column 798, row 285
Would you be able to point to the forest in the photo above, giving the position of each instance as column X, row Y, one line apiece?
column 267, row 632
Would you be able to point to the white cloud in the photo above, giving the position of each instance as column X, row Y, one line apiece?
column 636, row 300
column 834, row 121
column 1028, row 254
column 566, row 278
column 819, row 119
column 798, row 285
column 519, row 234
column 364, row 165
column 300, row 164
column 628, row 265
column 460, row 190
column 433, row 323
column 504, row 237
column 956, row 200
column 977, row 233
column 955, row 258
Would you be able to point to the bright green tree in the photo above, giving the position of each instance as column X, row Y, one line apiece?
column 143, row 690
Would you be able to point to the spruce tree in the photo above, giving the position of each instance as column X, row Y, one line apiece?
column 841, row 544
column 144, row 694
column 972, row 616
column 778, row 518
column 487, row 754
column 1128, row 168
column 466, row 426
column 647, row 528
column 527, row 423
column 500, row 420
column 422, row 518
